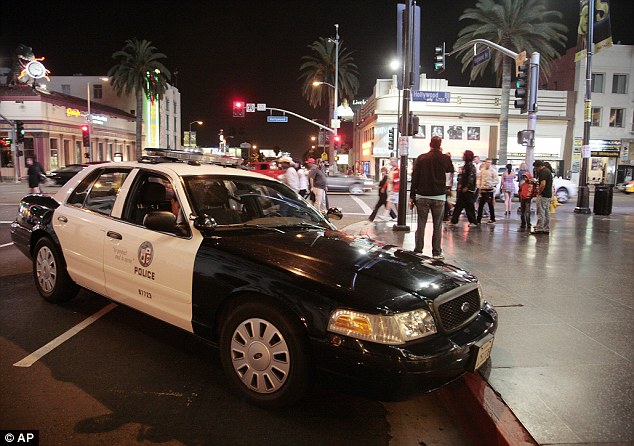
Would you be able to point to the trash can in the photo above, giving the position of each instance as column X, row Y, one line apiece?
column 603, row 199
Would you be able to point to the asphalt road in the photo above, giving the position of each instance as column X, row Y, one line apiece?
column 128, row 378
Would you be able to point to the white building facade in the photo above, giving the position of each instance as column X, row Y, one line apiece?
column 465, row 117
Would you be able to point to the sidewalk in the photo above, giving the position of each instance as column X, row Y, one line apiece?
column 563, row 356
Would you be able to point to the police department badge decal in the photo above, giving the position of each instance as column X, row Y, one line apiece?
column 145, row 254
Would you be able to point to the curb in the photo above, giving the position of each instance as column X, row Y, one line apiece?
column 484, row 415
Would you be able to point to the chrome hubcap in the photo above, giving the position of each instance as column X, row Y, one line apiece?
column 46, row 269
column 260, row 355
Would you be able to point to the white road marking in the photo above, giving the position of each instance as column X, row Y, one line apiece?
column 42, row 351
column 6, row 244
column 6, row 222
column 364, row 207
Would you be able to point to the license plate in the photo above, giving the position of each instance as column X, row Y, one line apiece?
column 483, row 351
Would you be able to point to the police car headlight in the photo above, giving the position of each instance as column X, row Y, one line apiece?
column 394, row 329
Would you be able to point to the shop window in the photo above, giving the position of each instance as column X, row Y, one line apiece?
column 619, row 83
column 616, row 117
column 596, row 117
column 97, row 91
column 597, row 82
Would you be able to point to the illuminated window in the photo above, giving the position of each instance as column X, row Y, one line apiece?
column 619, row 83
column 596, row 117
column 597, row 82
column 616, row 117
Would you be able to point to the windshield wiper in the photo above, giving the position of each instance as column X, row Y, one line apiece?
column 255, row 226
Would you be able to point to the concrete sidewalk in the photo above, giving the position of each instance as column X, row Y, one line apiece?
column 562, row 359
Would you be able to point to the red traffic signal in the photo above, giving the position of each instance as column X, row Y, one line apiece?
column 238, row 109
column 85, row 135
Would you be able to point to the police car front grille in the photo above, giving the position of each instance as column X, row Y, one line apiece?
column 458, row 310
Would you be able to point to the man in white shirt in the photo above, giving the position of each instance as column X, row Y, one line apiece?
column 291, row 178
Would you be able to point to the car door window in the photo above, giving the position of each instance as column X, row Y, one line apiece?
column 151, row 193
column 98, row 191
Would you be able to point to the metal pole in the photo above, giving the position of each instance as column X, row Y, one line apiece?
column 533, row 85
column 334, row 112
column 404, row 150
column 583, row 196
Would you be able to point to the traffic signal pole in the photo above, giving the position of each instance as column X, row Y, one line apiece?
column 532, row 109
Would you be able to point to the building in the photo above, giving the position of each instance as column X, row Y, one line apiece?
column 465, row 117
column 55, row 110
column 612, row 112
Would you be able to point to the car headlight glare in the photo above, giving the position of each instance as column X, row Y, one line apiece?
column 393, row 329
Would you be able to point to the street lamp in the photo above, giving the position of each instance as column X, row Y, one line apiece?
column 318, row 83
column 190, row 130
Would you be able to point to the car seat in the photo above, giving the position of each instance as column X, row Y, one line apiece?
column 216, row 205
column 152, row 197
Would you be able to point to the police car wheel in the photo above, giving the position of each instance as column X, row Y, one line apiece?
column 263, row 354
column 356, row 189
column 49, row 271
column 562, row 195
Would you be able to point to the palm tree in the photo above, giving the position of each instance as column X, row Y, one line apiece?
column 517, row 25
column 139, row 71
column 320, row 66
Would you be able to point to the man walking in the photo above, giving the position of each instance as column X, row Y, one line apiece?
column 429, row 193
column 544, row 196
column 318, row 185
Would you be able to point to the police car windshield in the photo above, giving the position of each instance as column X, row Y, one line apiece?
column 232, row 200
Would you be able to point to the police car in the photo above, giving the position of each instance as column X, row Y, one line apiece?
column 244, row 262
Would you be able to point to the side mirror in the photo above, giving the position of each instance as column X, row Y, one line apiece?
column 160, row 221
column 204, row 221
column 334, row 214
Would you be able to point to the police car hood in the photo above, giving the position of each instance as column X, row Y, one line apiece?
column 359, row 267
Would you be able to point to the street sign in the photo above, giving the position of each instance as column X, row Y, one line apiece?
column 272, row 118
column 261, row 107
column 250, row 108
column 431, row 96
column 482, row 57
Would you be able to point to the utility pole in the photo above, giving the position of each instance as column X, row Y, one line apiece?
column 583, row 197
column 403, row 149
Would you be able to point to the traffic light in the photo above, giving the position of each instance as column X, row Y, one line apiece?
column 238, row 109
column 414, row 124
column 19, row 130
column 85, row 135
column 390, row 139
column 337, row 141
column 439, row 58
column 521, row 87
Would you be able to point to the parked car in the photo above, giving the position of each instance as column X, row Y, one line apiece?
column 354, row 184
column 63, row 174
column 564, row 189
column 245, row 263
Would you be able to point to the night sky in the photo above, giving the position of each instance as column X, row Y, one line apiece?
column 249, row 50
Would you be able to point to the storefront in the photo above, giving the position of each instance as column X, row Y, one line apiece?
column 603, row 163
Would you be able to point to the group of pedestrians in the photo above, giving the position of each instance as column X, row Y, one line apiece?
column 433, row 172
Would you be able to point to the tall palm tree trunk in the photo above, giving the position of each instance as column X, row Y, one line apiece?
column 504, row 111
column 139, row 124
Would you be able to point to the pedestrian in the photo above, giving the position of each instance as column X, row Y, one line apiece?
column 526, row 192
column 290, row 177
column 487, row 180
column 429, row 192
column 465, row 191
column 508, row 188
column 383, row 193
column 318, row 185
column 302, row 174
column 544, row 195
column 35, row 175
column 520, row 173
column 394, row 187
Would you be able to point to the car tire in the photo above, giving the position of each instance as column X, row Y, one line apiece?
column 264, row 355
column 356, row 189
column 49, row 272
column 562, row 195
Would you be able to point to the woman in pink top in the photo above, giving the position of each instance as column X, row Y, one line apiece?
column 508, row 188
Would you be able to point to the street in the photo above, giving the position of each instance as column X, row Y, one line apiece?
column 127, row 377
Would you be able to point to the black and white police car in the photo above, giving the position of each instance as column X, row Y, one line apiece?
column 241, row 260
